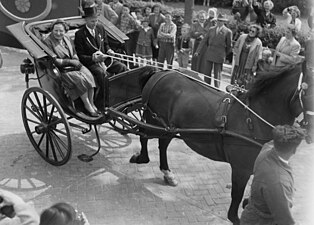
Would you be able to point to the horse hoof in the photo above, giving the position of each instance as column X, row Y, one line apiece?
column 139, row 159
column 171, row 181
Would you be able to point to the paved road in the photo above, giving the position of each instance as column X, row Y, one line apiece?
column 109, row 189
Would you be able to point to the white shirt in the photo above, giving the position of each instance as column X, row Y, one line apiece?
column 91, row 31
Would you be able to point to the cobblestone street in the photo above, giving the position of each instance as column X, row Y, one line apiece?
column 112, row 191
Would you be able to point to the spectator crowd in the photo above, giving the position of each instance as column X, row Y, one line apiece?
column 211, row 39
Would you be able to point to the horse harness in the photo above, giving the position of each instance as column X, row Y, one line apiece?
column 221, row 117
column 151, row 83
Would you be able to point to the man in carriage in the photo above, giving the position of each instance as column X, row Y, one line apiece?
column 92, row 47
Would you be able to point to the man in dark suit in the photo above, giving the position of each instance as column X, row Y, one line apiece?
column 91, row 44
column 218, row 44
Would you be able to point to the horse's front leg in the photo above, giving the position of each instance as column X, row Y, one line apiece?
column 168, row 175
column 141, row 157
column 240, row 178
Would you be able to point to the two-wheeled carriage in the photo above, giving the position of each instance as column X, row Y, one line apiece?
column 47, row 110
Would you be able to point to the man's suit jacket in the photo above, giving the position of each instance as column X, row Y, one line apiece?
column 217, row 45
column 86, row 44
column 289, row 50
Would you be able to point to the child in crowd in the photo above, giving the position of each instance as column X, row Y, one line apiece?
column 137, row 15
column 147, row 11
column 127, row 24
column 263, row 64
column 184, row 46
column 145, row 41
column 166, row 38
column 116, row 6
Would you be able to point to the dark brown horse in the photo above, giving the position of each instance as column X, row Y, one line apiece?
column 177, row 102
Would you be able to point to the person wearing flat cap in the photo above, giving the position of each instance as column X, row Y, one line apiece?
column 92, row 47
column 217, row 42
column 272, row 187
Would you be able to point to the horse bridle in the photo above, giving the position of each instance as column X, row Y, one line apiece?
column 298, row 94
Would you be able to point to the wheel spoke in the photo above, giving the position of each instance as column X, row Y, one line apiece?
column 57, row 145
column 45, row 108
column 51, row 114
column 55, row 122
column 41, row 139
column 59, row 139
column 32, row 112
column 47, row 146
column 39, row 103
column 33, row 121
column 52, row 148
column 35, row 106
column 59, row 131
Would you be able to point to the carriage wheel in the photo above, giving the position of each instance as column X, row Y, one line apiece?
column 46, row 126
column 133, row 109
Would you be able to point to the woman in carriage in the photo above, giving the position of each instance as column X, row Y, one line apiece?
column 76, row 79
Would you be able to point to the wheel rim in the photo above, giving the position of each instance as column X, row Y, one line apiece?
column 133, row 109
column 46, row 126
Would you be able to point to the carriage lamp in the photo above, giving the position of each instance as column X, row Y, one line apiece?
column 27, row 67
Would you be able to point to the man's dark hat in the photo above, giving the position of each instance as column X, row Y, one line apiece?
column 90, row 10
column 222, row 17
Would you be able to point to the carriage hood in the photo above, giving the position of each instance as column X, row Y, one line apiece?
column 30, row 35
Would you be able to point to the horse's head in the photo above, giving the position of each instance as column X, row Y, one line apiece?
column 307, row 102
column 286, row 89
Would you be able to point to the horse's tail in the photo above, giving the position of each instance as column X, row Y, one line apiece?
column 146, row 73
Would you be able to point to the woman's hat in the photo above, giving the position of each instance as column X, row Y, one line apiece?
column 90, row 10
column 222, row 17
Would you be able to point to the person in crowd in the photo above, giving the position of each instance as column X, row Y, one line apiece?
column 287, row 49
column 218, row 44
column 117, row 6
column 272, row 187
column 247, row 51
column 184, row 46
column 166, row 40
column 309, row 47
column 155, row 20
column 292, row 15
column 127, row 24
column 265, row 18
column 77, row 80
column 138, row 16
column 242, row 7
column 264, row 64
column 91, row 44
column 58, row 214
column 198, row 32
column 105, row 10
column 147, row 10
column 145, row 41
column 212, row 18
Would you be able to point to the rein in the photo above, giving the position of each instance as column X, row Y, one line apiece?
column 298, row 91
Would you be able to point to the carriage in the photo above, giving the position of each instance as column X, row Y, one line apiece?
column 223, row 126
column 47, row 111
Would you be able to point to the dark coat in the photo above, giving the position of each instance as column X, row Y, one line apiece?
column 86, row 45
column 217, row 45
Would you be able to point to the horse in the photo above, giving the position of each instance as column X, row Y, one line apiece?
column 177, row 102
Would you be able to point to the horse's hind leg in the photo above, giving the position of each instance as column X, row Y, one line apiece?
column 240, row 178
column 168, row 175
column 141, row 157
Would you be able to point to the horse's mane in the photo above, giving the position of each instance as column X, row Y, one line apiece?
column 265, row 80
